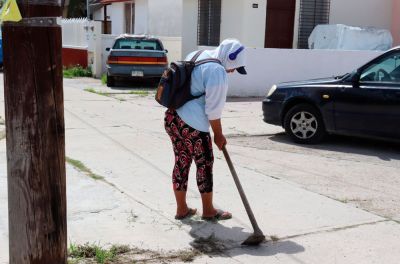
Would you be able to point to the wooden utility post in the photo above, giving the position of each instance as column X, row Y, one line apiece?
column 35, row 135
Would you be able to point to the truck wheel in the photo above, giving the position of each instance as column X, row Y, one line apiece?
column 304, row 124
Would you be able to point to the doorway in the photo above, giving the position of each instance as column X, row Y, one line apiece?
column 279, row 27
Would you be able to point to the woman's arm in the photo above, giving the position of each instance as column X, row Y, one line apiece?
column 219, row 138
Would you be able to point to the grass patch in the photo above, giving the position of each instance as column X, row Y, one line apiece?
column 2, row 132
column 140, row 93
column 77, row 71
column 81, row 167
column 89, row 253
column 104, row 79
column 91, row 90
column 99, row 254
column 2, row 135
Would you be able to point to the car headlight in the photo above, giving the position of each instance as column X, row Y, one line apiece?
column 272, row 90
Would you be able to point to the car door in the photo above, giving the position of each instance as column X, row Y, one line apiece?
column 372, row 106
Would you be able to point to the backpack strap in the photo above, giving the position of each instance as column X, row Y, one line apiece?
column 193, row 60
column 207, row 61
column 196, row 56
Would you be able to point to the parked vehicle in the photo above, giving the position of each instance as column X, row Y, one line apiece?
column 136, row 57
column 365, row 103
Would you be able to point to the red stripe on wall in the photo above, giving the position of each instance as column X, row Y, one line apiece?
column 74, row 57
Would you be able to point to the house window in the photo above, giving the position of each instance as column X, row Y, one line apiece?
column 312, row 13
column 209, row 23
column 130, row 18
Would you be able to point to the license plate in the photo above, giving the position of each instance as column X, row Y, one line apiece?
column 137, row 74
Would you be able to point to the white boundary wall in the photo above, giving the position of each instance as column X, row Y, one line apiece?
column 266, row 67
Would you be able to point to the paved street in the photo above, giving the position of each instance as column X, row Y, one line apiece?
column 332, row 203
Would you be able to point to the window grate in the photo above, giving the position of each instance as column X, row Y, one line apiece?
column 312, row 13
column 209, row 22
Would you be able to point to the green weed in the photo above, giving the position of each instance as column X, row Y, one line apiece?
column 81, row 167
column 77, row 71
column 91, row 90
column 140, row 93
column 104, row 78
column 96, row 252
column 103, row 255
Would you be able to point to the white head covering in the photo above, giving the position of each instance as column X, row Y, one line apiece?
column 231, row 53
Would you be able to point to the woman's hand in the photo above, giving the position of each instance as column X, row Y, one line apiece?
column 220, row 141
column 219, row 137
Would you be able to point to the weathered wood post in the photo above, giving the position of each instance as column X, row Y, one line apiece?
column 35, row 135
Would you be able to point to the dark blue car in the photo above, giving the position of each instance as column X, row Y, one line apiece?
column 364, row 103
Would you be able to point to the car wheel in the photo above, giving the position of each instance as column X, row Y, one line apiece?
column 304, row 124
column 110, row 81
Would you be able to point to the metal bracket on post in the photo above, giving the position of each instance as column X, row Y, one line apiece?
column 46, row 2
column 37, row 22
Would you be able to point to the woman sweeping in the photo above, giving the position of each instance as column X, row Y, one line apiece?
column 189, row 126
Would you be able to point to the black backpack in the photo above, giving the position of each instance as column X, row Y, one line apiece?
column 174, row 88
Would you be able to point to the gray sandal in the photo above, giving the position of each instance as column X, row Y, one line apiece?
column 191, row 212
column 220, row 215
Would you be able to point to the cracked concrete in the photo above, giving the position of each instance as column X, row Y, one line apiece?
column 294, row 190
column 353, row 171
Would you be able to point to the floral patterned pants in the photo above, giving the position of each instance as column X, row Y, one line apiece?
column 189, row 144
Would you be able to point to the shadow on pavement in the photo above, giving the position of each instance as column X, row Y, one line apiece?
column 213, row 238
column 244, row 99
column 384, row 150
column 121, row 84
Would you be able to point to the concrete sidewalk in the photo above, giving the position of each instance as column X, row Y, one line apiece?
column 125, row 142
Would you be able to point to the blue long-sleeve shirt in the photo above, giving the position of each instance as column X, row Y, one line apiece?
column 211, row 79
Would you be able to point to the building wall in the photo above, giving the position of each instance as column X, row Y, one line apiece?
column 396, row 22
column 375, row 13
column 99, row 14
column 141, row 16
column 189, row 27
column 115, row 14
column 254, row 23
column 296, row 25
column 231, row 19
column 165, row 18
column 116, row 11
column 240, row 20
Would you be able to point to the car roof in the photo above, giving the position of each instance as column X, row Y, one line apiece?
column 141, row 37
column 394, row 48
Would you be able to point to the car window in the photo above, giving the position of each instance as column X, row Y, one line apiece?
column 385, row 70
column 137, row 44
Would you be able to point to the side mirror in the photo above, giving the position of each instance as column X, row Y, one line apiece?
column 355, row 79
column 108, row 49
column 166, row 51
